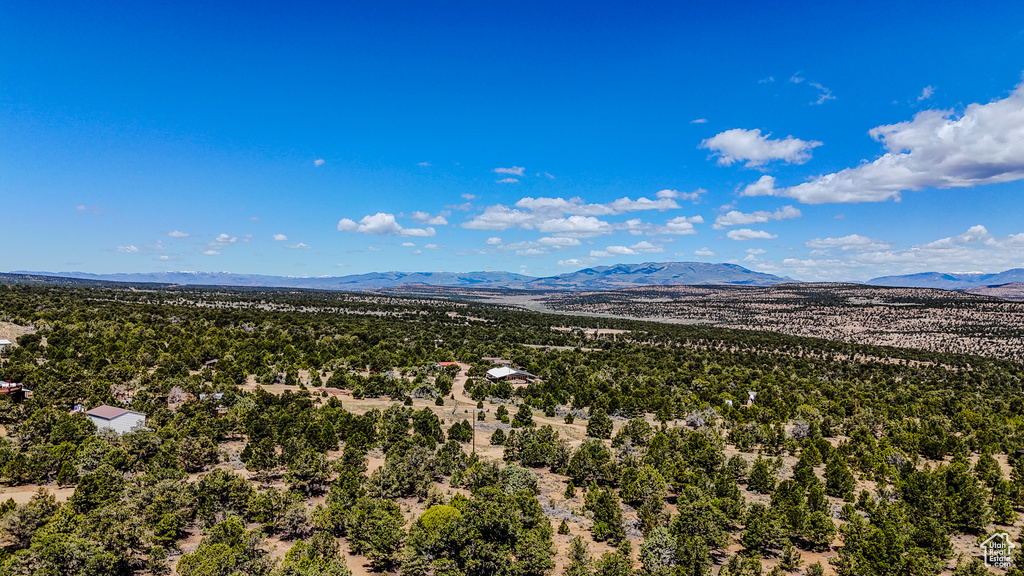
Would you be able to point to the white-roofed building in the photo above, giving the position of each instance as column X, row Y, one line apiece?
column 5, row 344
column 511, row 375
column 119, row 420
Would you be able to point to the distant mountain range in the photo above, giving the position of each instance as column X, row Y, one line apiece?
column 1004, row 284
column 598, row 278
column 950, row 281
column 656, row 274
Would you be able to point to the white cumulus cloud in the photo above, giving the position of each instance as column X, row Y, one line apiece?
column 299, row 246
column 737, row 218
column 549, row 206
column 426, row 218
column 694, row 196
column 223, row 240
column 565, row 220
column 976, row 235
column 626, row 205
column 764, row 186
column 748, row 234
column 515, row 170
column 576, row 262
column 500, row 217
column 178, row 234
column 704, row 252
column 547, row 214
column 558, row 206
column 680, row 225
column 938, row 148
column 634, row 226
column 280, row 237
column 638, row 248
column 613, row 251
column 130, row 249
column 976, row 249
column 381, row 224
column 851, row 242
column 559, row 241
column 646, row 247
column 737, row 145
column 575, row 226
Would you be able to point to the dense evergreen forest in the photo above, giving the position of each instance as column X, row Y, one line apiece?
column 869, row 460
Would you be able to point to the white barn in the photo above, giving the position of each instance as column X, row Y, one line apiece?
column 117, row 419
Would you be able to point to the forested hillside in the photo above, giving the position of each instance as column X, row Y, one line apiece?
column 337, row 445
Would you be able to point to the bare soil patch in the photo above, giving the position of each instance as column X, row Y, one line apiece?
column 22, row 494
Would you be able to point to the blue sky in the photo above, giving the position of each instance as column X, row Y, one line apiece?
column 816, row 141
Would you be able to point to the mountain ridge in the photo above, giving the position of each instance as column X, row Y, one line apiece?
column 950, row 280
column 596, row 278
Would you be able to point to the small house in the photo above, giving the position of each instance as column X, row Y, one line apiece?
column 5, row 344
column 443, row 365
column 218, row 398
column 119, row 420
column 13, row 390
column 510, row 375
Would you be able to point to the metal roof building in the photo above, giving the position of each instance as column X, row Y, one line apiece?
column 119, row 420
column 512, row 375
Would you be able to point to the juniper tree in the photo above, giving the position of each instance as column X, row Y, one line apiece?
column 599, row 425
column 839, row 480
